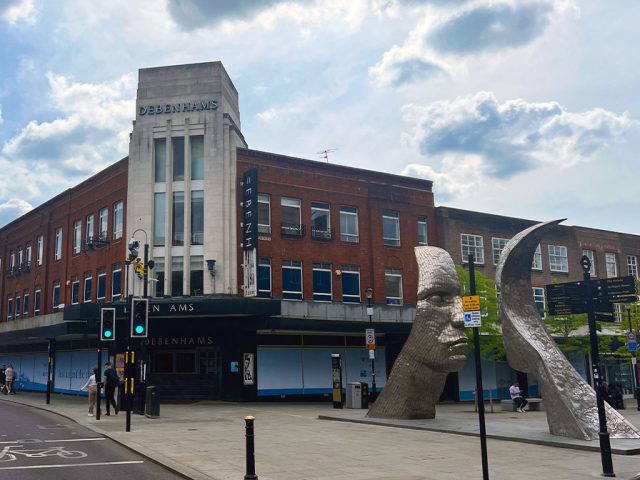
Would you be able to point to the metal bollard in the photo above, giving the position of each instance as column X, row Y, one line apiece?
column 251, row 462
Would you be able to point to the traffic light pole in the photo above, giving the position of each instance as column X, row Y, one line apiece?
column 143, row 343
column 98, row 380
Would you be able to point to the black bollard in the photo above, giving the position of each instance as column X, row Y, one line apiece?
column 251, row 462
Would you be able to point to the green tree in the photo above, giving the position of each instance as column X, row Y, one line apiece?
column 491, row 346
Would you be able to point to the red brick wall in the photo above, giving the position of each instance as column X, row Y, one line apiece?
column 100, row 191
column 370, row 192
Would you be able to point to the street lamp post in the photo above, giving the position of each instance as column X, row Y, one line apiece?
column 369, row 294
column 634, row 356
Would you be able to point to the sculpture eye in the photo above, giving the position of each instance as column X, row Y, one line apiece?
column 439, row 298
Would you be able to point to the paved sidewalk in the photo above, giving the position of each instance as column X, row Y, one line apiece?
column 205, row 440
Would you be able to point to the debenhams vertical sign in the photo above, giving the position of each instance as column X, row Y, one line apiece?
column 178, row 107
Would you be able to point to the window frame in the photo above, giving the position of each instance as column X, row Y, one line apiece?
column 118, row 219
column 324, row 270
column 496, row 251
column 75, row 290
column 391, row 218
column 320, row 210
column 591, row 255
column 103, row 223
column 116, row 269
column 264, row 199
column 102, row 278
column 264, row 263
column 536, row 262
column 57, row 254
column 632, row 266
column 466, row 248
column 89, row 230
column 555, row 253
column 77, row 236
column 37, row 300
column 39, row 249
column 539, row 293
column 88, row 277
column 391, row 273
column 611, row 267
column 25, row 304
column 345, row 235
column 9, row 308
column 422, row 225
column 55, row 293
column 292, row 265
column 345, row 272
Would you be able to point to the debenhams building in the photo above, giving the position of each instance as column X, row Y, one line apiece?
column 260, row 265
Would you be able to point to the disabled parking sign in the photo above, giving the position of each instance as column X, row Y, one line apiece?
column 472, row 319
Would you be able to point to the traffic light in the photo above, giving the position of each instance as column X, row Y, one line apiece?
column 139, row 317
column 107, row 324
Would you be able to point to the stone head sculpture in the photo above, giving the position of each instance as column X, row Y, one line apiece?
column 436, row 345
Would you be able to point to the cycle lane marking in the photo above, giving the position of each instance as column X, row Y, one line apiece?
column 35, row 440
column 95, row 464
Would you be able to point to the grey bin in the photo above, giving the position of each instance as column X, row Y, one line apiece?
column 354, row 395
column 152, row 407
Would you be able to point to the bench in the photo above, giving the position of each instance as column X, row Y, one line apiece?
column 535, row 405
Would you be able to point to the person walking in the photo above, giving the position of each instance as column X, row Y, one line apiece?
column 111, row 381
column 92, row 387
column 9, row 375
column 517, row 397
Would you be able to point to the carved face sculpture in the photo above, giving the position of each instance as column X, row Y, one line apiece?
column 438, row 339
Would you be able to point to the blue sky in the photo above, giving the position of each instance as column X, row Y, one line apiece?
column 514, row 107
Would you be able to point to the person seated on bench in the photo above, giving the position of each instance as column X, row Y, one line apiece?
column 517, row 397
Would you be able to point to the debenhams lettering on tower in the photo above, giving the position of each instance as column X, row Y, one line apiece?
column 178, row 107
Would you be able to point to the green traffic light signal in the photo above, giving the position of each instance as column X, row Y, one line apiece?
column 139, row 329
column 107, row 333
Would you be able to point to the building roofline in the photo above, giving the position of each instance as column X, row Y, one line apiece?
column 333, row 166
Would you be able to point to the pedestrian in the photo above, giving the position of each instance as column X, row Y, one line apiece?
column 3, row 378
column 517, row 396
column 92, row 387
column 111, row 381
column 9, row 376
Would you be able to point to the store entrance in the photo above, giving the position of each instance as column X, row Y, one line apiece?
column 186, row 375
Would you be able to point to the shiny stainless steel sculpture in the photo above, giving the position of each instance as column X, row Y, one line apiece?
column 436, row 345
column 570, row 403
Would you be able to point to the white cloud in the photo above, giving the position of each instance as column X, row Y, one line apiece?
column 15, row 207
column 14, row 11
column 445, row 38
column 514, row 136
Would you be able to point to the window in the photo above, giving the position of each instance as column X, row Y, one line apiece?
column 558, row 261
column 611, row 264
column 291, row 217
column 104, row 223
column 160, row 159
column 632, row 265
column 197, row 157
column 176, row 276
column 75, row 290
column 350, row 283
column 391, row 228
column 159, row 212
column 89, row 231
column 27, row 259
column 174, row 362
column 12, row 261
column 472, row 245
column 102, row 284
column 77, row 236
column 88, row 284
column 536, row 264
column 118, row 219
column 177, row 223
column 422, row 230
column 538, row 298
column 320, row 221
column 25, row 304
column 18, row 304
column 322, row 282
column 20, row 258
column 349, row 224
column 116, row 282
column 497, row 245
column 197, row 275
column 393, row 285
column 39, row 249
column 264, row 277
column 36, row 300
column 55, row 297
column 264, row 213
column 177, row 145
column 58, row 252
column 292, row 280
column 158, row 274
column 197, row 217
column 591, row 255
column 9, row 308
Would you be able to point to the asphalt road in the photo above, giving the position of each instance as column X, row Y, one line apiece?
column 36, row 444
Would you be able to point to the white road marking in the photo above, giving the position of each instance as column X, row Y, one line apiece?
column 97, row 464
column 32, row 441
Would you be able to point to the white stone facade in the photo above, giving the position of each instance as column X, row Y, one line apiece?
column 186, row 101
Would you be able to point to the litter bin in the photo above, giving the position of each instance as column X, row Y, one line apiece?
column 354, row 395
column 152, row 407
column 364, row 389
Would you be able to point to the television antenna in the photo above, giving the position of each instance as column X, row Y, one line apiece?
column 325, row 153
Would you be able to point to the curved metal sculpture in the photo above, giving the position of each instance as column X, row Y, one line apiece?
column 436, row 345
column 570, row 402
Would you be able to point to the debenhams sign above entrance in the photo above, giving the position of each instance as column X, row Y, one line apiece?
column 178, row 107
